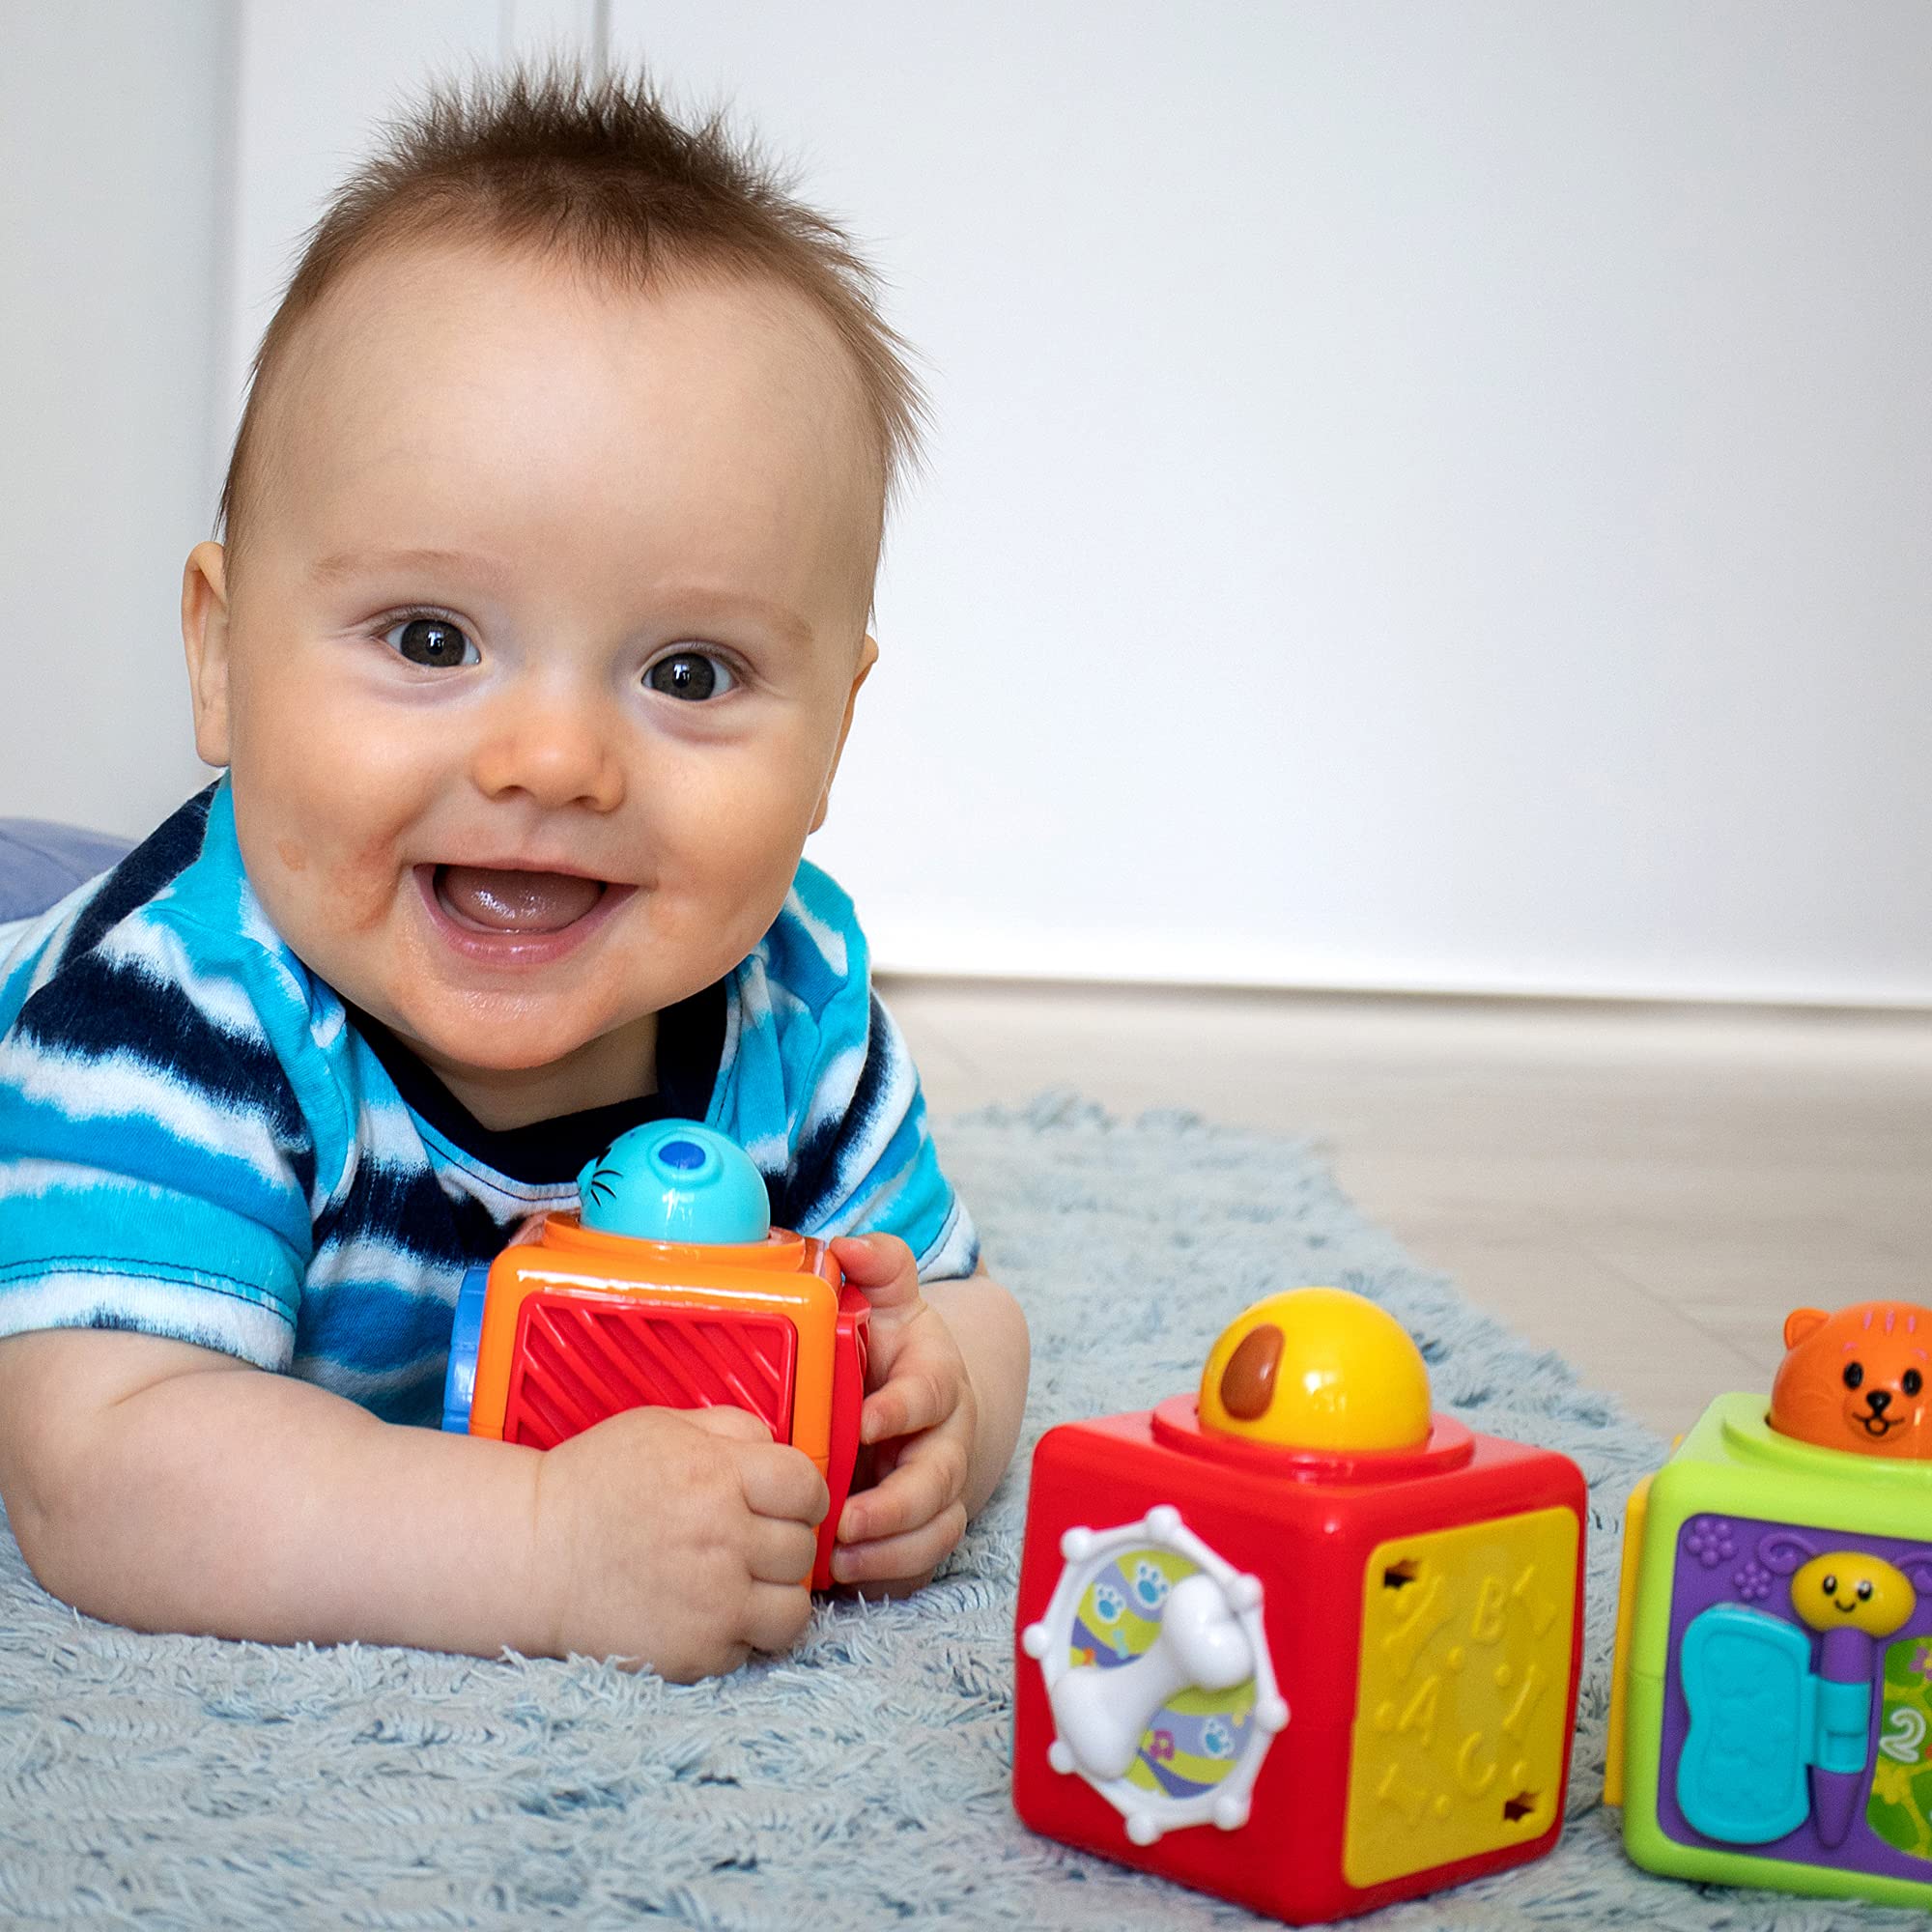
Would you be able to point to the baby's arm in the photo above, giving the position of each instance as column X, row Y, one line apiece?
column 170, row 1488
column 951, row 1363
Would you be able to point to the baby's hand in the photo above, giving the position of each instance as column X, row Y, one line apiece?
column 680, row 1538
column 921, row 1414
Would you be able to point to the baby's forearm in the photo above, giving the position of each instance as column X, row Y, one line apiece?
column 991, row 1332
column 170, row 1489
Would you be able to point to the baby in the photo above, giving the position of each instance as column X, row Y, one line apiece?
column 530, row 651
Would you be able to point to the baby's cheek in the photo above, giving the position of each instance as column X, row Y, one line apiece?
column 338, row 889
column 363, row 885
column 305, row 889
column 737, row 871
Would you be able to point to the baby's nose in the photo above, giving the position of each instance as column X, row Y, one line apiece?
column 560, row 754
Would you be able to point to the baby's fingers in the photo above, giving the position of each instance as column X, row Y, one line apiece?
column 775, row 1615
column 928, row 1479
column 882, row 1264
column 782, row 1482
column 780, row 1553
column 914, row 1399
column 905, row 1561
column 735, row 1425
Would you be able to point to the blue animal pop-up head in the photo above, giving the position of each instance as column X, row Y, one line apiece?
column 674, row 1181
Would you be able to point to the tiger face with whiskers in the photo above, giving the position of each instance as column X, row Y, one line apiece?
column 1859, row 1380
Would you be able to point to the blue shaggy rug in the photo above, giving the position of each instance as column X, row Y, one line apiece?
column 862, row 1780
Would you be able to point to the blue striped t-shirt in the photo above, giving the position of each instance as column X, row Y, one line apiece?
column 198, row 1139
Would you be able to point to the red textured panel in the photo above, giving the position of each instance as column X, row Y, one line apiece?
column 851, row 1347
column 578, row 1361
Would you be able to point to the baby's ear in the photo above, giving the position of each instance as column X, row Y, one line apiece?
column 205, row 638
column 868, row 656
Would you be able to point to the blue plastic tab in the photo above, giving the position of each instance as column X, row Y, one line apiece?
column 1748, row 1681
column 1843, row 1727
column 466, row 1336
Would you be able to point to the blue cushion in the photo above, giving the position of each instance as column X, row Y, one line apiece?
column 40, row 862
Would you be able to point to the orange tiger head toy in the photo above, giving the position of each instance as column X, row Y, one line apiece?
column 1859, row 1380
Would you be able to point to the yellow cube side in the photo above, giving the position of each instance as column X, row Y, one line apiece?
column 1459, row 1737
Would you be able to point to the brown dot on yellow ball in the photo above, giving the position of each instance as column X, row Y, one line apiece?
column 1318, row 1369
column 1247, row 1383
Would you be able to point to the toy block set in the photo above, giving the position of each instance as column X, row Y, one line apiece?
column 668, row 1288
column 1299, row 1641
column 1295, row 1639
column 1771, row 1715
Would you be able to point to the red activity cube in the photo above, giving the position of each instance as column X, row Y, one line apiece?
column 1311, row 1682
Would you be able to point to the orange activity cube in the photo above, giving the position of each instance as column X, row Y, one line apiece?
column 580, row 1324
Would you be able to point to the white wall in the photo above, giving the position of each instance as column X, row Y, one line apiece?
column 159, row 162
column 1423, row 496
column 113, row 142
column 315, row 82
column 1427, row 495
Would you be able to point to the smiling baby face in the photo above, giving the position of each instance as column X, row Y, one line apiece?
column 535, row 663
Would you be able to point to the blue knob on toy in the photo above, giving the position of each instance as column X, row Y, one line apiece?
column 466, row 1337
column 674, row 1181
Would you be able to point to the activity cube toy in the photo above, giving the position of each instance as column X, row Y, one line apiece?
column 1772, row 1693
column 1299, row 1641
column 668, row 1288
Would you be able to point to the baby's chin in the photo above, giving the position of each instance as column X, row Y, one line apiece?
column 515, row 1041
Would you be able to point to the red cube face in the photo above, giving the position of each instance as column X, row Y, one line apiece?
column 1312, row 1683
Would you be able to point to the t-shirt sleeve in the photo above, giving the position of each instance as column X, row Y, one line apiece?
column 156, row 1171
column 873, row 1169
column 855, row 1154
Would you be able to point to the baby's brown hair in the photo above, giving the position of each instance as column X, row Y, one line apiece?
column 598, row 173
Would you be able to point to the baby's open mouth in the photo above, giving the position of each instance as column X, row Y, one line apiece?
column 490, row 898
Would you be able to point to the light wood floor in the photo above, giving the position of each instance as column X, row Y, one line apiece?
column 1646, row 1190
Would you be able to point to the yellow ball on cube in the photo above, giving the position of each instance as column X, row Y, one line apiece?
column 1316, row 1367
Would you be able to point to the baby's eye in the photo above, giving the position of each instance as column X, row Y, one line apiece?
column 1855, row 1373
column 1912, row 1381
column 695, row 676
column 434, row 642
